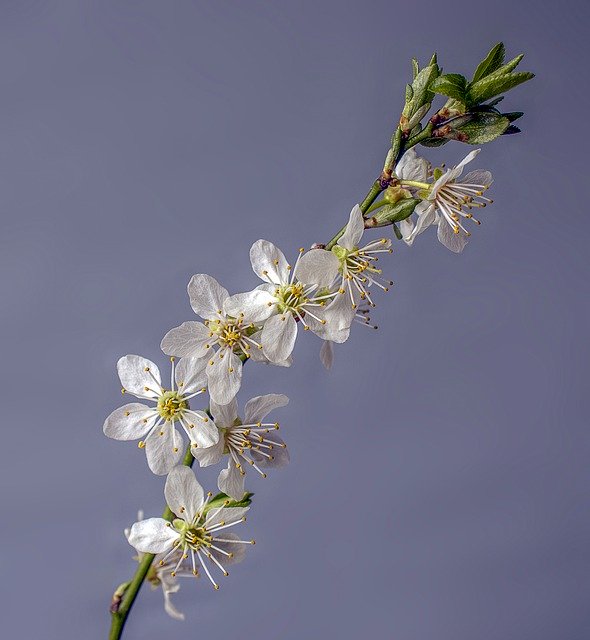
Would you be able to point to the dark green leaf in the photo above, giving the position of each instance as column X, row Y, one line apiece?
column 491, row 62
column 513, row 115
column 482, row 127
column 512, row 129
column 434, row 142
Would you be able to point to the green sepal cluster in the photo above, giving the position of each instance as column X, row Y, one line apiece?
column 471, row 113
column 222, row 500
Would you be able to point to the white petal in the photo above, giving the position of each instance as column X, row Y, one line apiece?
column 163, row 451
column 256, row 354
column 426, row 212
column 338, row 316
column 190, row 339
column 412, row 167
column 258, row 408
column 327, row 354
column 256, row 306
column 225, row 376
column 231, row 481
column 169, row 607
column 153, row 535
column 201, row 430
column 354, row 229
column 280, row 455
column 278, row 337
column 406, row 227
column 237, row 549
column 130, row 422
column 206, row 296
column 468, row 158
column 184, row 495
column 268, row 262
column 318, row 267
column 224, row 414
column 479, row 176
column 454, row 241
column 134, row 373
column 190, row 375
column 209, row 455
column 227, row 515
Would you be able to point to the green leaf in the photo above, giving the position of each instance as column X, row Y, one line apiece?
column 508, row 67
column 452, row 85
column 421, row 85
column 494, row 85
column 491, row 62
column 415, row 68
column 483, row 127
column 513, row 115
column 434, row 142
column 222, row 500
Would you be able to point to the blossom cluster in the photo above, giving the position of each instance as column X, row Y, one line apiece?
column 323, row 291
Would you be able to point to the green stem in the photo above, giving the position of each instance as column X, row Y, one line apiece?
column 119, row 617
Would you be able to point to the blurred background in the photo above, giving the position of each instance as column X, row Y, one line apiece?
column 438, row 485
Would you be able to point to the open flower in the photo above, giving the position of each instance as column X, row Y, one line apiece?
column 289, row 295
column 246, row 443
column 357, row 264
column 159, row 575
column 198, row 535
column 229, row 332
column 448, row 203
column 156, row 426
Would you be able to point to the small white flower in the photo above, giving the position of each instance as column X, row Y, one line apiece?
column 197, row 534
column 448, row 203
column 245, row 443
column 289, row 295
column 163, row 443
column 230, row 332
column 159, row 576
column 357, row 264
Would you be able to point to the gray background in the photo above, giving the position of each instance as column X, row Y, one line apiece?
column 438, row 485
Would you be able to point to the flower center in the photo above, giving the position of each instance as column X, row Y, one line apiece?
column 229, row 333
column 291, row 297
column 192, row 536
column 171, row 404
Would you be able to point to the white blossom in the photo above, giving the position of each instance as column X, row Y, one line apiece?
column 290, row 296
column 223, row 340
column 358, row 264
column 448, row 202
column 249, row 443
column 198, row 535
column 156, row 425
